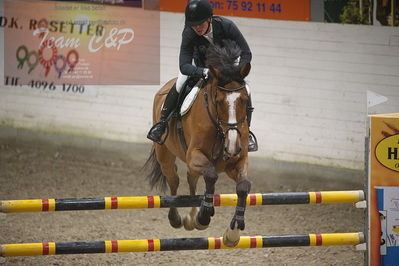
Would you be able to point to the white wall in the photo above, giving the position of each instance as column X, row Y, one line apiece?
column 309, row 83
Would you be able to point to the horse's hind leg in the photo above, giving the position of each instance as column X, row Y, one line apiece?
column 169, row 169
column 188, row 220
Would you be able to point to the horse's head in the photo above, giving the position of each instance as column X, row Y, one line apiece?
column 230, row 96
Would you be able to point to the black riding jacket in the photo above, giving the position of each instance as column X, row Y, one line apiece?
column 194, row 46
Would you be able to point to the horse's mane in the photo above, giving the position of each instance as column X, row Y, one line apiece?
column 224, row 58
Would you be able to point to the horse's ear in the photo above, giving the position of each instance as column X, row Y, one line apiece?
column 244, row 71
column 215, row 72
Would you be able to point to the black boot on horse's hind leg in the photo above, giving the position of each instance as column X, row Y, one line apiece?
column 252, row 142
column 175, row 218
column 169, row 105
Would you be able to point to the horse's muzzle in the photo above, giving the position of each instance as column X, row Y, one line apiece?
column 227, row 155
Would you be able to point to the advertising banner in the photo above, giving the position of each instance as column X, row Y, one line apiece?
column 384, row 190
column 267, row 9
column 70, row 43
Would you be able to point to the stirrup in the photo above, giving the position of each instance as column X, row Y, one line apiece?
column 159, row 141
column 254, row 147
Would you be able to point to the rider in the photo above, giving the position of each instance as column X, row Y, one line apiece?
column 201, row 30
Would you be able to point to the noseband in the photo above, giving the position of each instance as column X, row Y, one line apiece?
column 219, row 121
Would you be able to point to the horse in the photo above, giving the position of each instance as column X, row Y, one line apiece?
column 216, row 136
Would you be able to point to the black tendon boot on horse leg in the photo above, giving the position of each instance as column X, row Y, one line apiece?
column 207, row 209
column 232, row 235
column 169, row 105
column 252, row 142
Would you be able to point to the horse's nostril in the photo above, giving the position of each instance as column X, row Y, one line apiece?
column 225, row 157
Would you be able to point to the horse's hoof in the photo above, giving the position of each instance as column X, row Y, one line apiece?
column 199, row 226
column 176, row 224
column 188, row 223
column 231, row 237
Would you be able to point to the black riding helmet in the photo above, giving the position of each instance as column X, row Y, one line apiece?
column 197, row 11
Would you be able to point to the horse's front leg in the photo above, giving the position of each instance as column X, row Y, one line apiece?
column 243, row 187
column 199, row 164
column 207, row 209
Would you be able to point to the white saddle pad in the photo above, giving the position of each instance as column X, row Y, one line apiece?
column 189, row 100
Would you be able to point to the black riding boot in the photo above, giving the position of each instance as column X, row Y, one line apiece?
column 169, row 105
column 252, row 142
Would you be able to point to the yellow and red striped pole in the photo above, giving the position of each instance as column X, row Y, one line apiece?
column 148, row 245
column 144, row 202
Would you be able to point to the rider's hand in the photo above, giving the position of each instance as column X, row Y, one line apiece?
column 207, row 74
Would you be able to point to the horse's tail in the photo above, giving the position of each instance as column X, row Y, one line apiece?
column 155, row 176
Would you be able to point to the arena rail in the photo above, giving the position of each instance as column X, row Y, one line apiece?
column 148, row 245
column 144, row 202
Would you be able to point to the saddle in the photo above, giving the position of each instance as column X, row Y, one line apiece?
column 187, row 96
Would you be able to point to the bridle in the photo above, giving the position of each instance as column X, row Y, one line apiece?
column 218, row 122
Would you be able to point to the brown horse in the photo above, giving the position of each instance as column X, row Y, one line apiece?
column 216, row 133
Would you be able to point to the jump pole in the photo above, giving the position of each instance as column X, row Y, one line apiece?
column 145, row 202
column 148, row 245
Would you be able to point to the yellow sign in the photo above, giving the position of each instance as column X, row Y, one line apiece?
column 387, row 152
column 384, row 172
